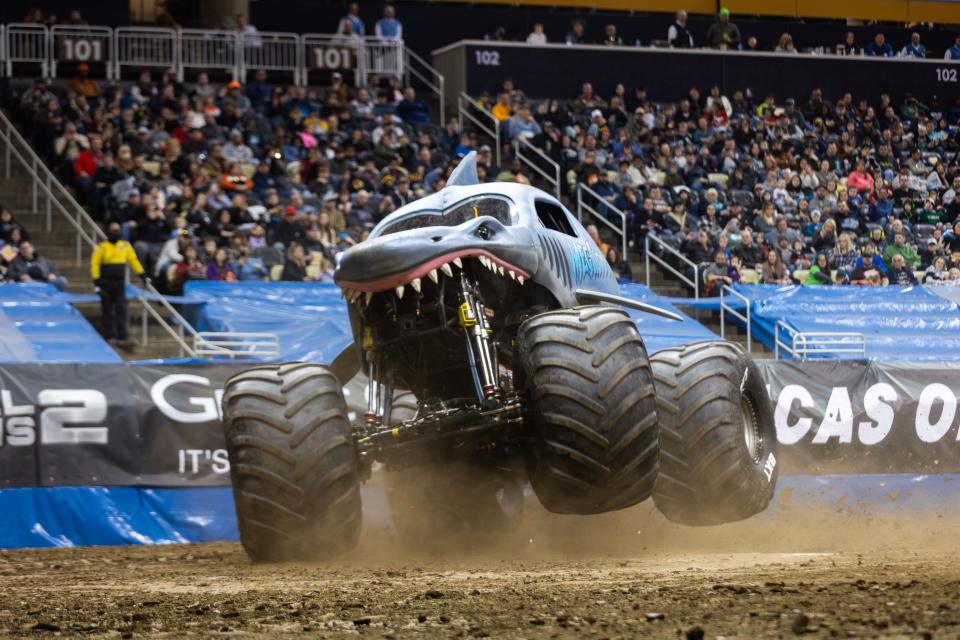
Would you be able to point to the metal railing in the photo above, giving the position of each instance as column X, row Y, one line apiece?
column 470, row 109
column 236, row 344
column 420, row 69
column 825, row 344
column 744, row 317
column 231, row 52
column 621, row 230
column 664, row 247
column 531, row 155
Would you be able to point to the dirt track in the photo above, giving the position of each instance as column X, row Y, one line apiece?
column 627, row 575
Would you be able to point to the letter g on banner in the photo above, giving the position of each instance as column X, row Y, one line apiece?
column 933, row 432
column 209, row 410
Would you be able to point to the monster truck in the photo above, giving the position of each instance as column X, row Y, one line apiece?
column 493, row 336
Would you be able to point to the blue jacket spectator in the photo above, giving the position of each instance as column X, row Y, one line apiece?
column 413, row 109
column 914, row 48
column 353, row 19
column 953, row 53
column 880, row 47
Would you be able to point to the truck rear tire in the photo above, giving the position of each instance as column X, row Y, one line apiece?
column 293, row 463
column 717, row 436
column 449, row 507
column 590, row 409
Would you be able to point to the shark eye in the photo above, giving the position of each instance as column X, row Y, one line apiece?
column 484, row 232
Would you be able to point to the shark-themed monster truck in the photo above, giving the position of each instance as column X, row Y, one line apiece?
column 493, row 336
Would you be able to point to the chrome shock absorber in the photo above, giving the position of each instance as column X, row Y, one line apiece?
column 483, row 357
column 380, row 395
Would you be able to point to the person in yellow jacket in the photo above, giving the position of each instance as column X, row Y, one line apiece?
column 108, row 268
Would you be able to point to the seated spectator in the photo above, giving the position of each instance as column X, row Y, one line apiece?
column 9, row 227
column 620, row 268
column 845, row 256
column 900, row 272
column 901, row 248
column 953, row 53
column 869, row 273
column 412, row 109
column 750, row 253
column 718, row 274
column 937, row 272
column 880, row 47
column 820, row 272
column 235, row 150
column 190, row 268
column 30, row 266
column 773, row 270
column 82, row 84
column 220, row 268
column 295, row 267
column 537, row 36
column 248, row 267
column 785, row 44
column 914, row 49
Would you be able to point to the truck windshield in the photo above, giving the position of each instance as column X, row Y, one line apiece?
column 494, row 207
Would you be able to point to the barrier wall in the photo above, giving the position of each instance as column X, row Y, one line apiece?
column 112, row 453
column 475, row 66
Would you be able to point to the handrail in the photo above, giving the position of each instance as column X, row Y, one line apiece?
column 745, row 318
column 492, row 131
column 439, row 88
column 825, row 343
column 583, row 206
column 233, row 344
column 648, row 255
column 553, row 180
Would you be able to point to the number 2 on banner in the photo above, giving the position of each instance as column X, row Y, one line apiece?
column 488, row 58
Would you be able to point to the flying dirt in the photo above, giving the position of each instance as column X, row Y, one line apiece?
column 833, row 574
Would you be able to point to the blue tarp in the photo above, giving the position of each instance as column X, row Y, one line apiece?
column 38, row 324
column 909, row 323
column 661, row 333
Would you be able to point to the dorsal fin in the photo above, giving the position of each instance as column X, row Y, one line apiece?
column 466, row 172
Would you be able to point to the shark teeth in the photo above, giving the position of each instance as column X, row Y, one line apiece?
column 447, row 271
column 433, row 276
column 399, row 292
column 415, row 283
column 458, row 262
column 520, row 280
column 513, row 276
column 368, row 296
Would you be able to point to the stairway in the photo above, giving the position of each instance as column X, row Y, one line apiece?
column 59, row 244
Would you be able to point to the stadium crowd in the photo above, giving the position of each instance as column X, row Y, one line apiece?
column 765, row 188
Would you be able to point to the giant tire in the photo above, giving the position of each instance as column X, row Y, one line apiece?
column 450, row 507
column 293, row 463
column 717, row 435
column 591, row 410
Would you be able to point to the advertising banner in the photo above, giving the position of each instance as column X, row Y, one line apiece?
column 159, row 426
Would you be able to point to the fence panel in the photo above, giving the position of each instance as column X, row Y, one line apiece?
column 203, row 49
column 81, row 44
column 273, row 51
column 27, row 43
column 384, row 57
column 144, row 47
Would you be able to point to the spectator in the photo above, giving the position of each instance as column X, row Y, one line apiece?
column 522, row 125
column 723, row 34
column 236, row 150
column 388, row 26
column 10, row 229
column 575, row 35
column 537, row 36
column 880, row 47
column 901, row 248
column 953, row 52
column 610, row 36
column 82, row 84
column 820, row 272
column 108, row 269
column 751, row 254
column 717, row 274
column 869, row 273
column 220, row 268
column 351, row 23
column 848, row 46
column 412, row 109
column 190, row 268
column 248, row 267
column 937, row 272
column 295, row 268
column 914, row 48
column 785, row 44
column 249, row 33
column 30, row 266
column 678, row 35
column 620, row 267
column 900, row 273
column 773, row 269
